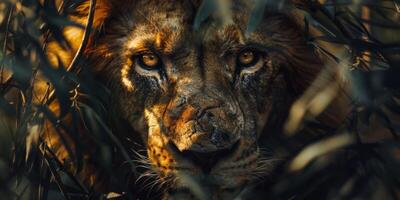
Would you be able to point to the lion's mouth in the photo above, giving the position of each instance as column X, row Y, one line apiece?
column 205, row 161
column 219, row 172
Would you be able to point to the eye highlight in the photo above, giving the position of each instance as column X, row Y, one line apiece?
column 248, row 58
column 149, row 60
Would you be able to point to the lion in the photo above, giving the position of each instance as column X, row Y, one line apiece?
column 204, row 103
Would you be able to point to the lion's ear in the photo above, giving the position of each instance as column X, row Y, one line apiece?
column 61, row 56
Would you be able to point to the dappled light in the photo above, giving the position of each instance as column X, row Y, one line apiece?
column 199, row 99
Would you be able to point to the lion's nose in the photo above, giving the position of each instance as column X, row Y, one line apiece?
column 211, row 122
column 207, row 160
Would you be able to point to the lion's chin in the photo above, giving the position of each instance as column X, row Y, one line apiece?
column 185, row 193
column 189, row 187
column 187, row 178
column 196, row 185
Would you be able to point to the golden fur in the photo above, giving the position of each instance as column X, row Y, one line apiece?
column 167, row 113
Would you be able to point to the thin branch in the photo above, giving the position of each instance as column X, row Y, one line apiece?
column 4, row 50
column 78, row 55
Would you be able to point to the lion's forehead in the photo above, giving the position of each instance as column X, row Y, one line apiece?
column 171, row 28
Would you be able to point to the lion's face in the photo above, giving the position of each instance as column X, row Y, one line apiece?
column 200, row 99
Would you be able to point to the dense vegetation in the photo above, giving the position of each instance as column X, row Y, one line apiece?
column 360, row 160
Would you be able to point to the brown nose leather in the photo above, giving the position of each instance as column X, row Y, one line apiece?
column 208, row 123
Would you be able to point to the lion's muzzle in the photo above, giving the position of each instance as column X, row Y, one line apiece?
column 200, row 128
column 205, row 131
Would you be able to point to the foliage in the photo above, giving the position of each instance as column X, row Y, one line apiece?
column 360, row 160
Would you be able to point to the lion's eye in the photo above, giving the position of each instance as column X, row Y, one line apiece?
column 248, row 58
column 149, row 60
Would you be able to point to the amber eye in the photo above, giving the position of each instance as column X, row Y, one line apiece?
column 248, row 58
column 149, row 60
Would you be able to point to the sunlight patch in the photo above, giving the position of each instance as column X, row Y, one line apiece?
column 125, row 78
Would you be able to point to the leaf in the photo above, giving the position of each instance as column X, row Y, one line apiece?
column 256, row 16
column 32, row 139
column 205, row 10
column 7, row 107
column 320, row 148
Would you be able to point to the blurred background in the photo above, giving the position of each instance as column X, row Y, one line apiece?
column 360, row 160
